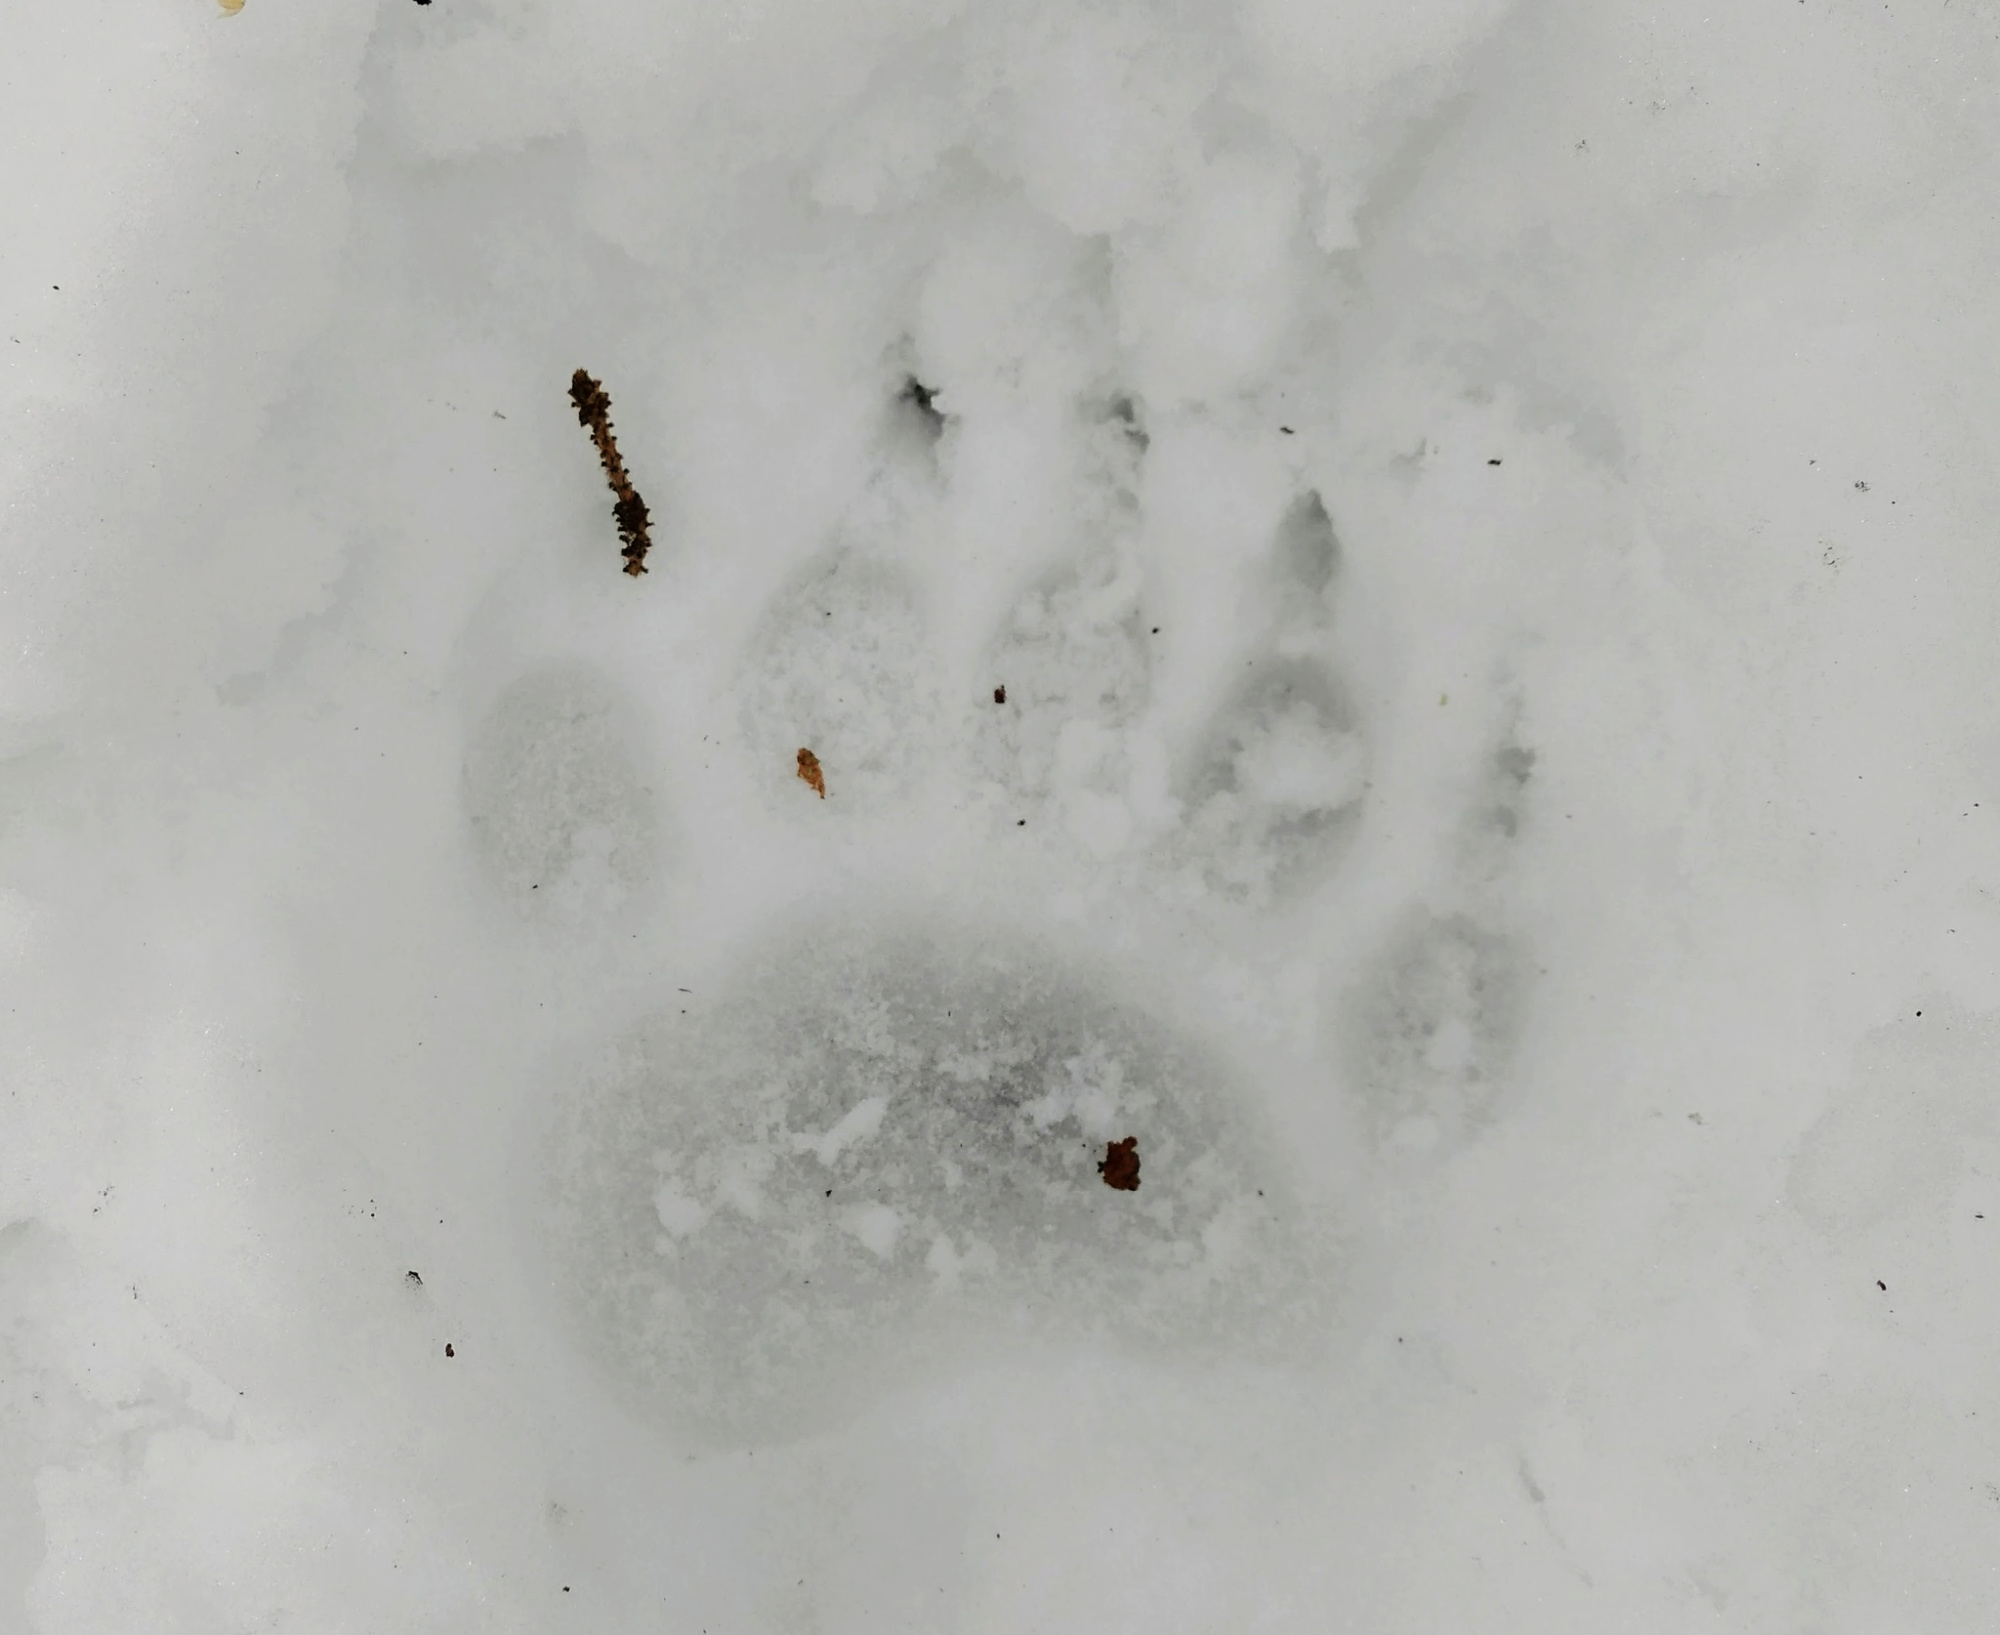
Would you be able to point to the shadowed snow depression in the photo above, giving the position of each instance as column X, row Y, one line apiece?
column 895, row 816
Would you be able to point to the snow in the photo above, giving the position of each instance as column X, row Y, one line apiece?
column 876, row 1227
column 681, row 1215
column 1480, row 513
column 861, row 1121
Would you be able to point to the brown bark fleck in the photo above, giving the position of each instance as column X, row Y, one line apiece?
column 810, row 772
column 1120, row 1164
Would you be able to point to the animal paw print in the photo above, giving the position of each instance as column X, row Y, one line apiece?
column 905, row 1122
column 1430, row 1031
column 838, row 671
column 1277, row 787
column 1056, row 742
column 560, row 815
column 1266, row 789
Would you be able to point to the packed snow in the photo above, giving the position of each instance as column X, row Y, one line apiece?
column 1392, row 605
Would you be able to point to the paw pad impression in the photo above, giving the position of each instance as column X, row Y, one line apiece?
column 882, row 1147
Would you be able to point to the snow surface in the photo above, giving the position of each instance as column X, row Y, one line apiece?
column 1481, row 513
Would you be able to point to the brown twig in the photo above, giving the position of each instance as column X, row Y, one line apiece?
column 593, row 412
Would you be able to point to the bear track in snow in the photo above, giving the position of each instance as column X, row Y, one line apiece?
column 883, row 1148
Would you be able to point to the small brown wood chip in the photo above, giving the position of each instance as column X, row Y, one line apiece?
column 810, row 772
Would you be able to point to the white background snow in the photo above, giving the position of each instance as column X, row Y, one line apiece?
column 1576, row 422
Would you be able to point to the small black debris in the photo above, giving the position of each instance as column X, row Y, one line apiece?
column 1126, row 413
column 924, row 400
column 1493, row 462
column 1862, row 486
column 448, row 1350
column 1287, row 430
column 1881, row 1285
column 999, row 695
column 413, row 1280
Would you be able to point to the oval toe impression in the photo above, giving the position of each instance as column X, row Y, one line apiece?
column 561, row 816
